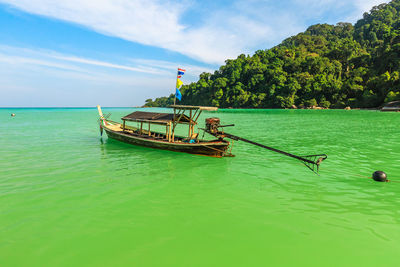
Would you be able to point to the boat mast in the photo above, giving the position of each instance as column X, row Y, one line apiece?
column 173, row 130
column 177, row 72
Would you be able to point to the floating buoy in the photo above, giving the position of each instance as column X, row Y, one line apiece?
column 12, row 114
column 379, row 176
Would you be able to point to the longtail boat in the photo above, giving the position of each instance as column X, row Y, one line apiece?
column 191, row 143
column 143, row 135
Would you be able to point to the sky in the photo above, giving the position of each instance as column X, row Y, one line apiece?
column 118, row 53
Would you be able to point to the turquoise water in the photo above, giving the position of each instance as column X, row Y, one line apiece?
column 68, row 198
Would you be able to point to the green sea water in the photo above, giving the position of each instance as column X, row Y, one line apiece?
column 69, row 198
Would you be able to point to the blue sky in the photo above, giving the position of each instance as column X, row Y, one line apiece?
column 121, row 52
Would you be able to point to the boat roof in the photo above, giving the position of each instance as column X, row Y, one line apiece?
column 184, row 107
column 154, row 117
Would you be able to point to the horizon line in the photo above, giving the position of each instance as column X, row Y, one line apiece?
column 72, row 107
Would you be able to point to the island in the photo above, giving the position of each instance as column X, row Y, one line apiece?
column 327, row 66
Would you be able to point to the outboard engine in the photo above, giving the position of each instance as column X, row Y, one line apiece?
column 212, row 125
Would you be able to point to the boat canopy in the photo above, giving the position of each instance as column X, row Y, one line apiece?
column 157, row 118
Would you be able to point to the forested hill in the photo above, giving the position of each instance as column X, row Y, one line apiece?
column 328, row 66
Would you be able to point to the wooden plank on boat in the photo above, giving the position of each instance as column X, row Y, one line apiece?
column 184, row 107
column 100, row 112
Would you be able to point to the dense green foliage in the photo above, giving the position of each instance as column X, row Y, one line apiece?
column 329, row 66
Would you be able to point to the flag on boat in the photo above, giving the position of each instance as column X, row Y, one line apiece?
column 181, row 72
column 178, row 94
column 179, row 83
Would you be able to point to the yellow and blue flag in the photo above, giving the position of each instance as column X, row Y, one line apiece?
column 177, row 92
column 179, row 83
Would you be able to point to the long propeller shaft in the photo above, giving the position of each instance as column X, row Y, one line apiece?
column 234, row 137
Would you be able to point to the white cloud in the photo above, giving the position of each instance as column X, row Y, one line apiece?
column 363, row 6
column 48, row 60
column 42, row 76
column 366, row 5
column 355, row 8
column 157, row 23
column 52, row 59
column 193, row 71
column 213, row 35
column 14, row 60
column 107, row 64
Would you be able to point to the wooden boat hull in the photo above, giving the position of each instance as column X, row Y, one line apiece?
column 213, row 149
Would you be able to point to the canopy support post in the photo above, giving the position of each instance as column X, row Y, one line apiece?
column 149, row 130
column 169, row 134
column 190, row 124
column 195, row 120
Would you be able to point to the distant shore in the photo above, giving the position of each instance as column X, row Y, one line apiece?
column 293, row 108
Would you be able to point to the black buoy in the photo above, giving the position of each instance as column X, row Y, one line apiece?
column 379, row 176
